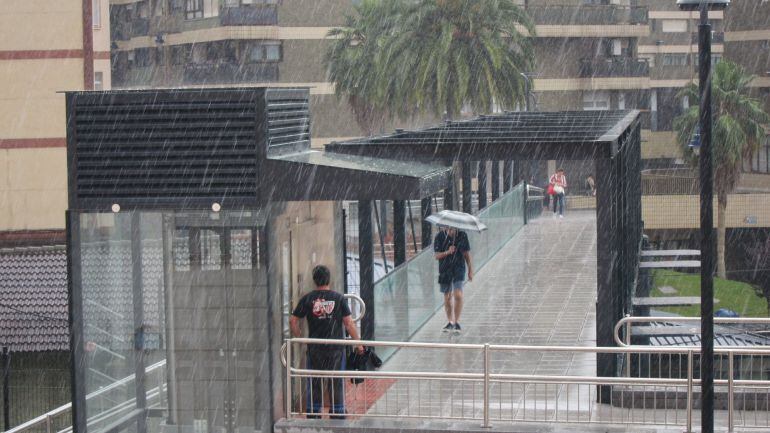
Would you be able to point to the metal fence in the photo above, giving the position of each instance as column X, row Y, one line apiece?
column 490, row 392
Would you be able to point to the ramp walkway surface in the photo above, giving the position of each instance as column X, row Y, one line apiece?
column 540, row 289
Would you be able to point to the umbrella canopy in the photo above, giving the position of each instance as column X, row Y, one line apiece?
column 458, row 220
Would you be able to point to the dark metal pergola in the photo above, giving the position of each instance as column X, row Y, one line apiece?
column 611, row 138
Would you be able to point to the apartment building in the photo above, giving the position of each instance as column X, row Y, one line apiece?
column 747, row 41
column 45, row 48
column 591, row 54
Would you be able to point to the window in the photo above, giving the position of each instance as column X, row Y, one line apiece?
column 673, row 26
column 265, row 52
column 649, row 58
column 98, row 81
column 180, row 55
column 675, row 60
column 195, row 9
column 142, row 57
column 596, row 100
column 143, row 9
column 715, row 58
column 96, row 11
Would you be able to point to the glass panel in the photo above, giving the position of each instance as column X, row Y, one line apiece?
column 107, row 291
column 409, row 295
column 198, row 333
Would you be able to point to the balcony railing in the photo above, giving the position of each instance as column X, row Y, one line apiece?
column 229, row 73
column 248, row 16
column 166, row 24
column 620, row 67
column 716, row 38
column 587, row 14
column 140, row 27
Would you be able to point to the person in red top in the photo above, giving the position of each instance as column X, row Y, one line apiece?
column 559, row 182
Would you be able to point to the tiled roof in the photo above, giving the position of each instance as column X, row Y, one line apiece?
column 33, row 299
column 33, row 296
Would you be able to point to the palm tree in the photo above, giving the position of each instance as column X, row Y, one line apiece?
column 402, row 58
column 351, row 59
column 737, row 134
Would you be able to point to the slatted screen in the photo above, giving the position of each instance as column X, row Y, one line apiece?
column 181, row 147
column 288, row 114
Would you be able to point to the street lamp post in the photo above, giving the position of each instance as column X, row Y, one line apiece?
column 708, row 250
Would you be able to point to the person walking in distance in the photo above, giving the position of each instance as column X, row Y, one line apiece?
column 559, row 182
column 453, row 252
column 326, row 312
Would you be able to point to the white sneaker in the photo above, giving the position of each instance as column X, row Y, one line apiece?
column 561, row 216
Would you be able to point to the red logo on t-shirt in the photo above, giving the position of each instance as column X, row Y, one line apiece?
column 322, row 308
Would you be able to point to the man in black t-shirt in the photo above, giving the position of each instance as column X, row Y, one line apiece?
column 453, row 252
column 326, row 312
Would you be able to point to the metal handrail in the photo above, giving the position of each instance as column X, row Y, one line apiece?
column 360, row 302
column 487, row 377
column 48, row 416
column 629, row 321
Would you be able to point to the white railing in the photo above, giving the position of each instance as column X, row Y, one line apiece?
column 485, row 392
column 48, row 420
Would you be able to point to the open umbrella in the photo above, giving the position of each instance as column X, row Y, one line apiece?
column 458, row 220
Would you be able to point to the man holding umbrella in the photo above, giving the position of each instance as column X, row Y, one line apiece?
column 452, row 250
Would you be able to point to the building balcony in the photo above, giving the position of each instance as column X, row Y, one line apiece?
column 716, row 38
column 230, row 73
column 166, row 24
column 587, row 14
column 140, row 27
column 248, row 16
column 618, row 67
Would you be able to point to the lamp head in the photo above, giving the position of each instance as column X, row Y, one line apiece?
column 694, row 5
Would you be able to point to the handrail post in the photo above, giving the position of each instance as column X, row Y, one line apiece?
column 48, row 424
column 486, row 386
column 689, row 391
column 627, row 339
column 288, row 379
column 525, row 193
column 730, row 392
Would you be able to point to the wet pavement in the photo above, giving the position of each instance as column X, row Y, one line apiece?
column 540, row 290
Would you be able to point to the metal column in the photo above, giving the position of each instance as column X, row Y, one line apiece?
column 75, row 318
column 425, row 211
column 605, row 305
column 139, row 331
column 399, row 231
column 495, row 180
column 708, row 251
column 467, row 195
column 482, row 184
column 366, row 267
column 6, row 358
column 449, row 196
column 507, row 175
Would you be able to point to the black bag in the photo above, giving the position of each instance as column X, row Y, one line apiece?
column 368, row 361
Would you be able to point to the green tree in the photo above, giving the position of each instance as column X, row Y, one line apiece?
column 737, row 134
column 402, row 58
